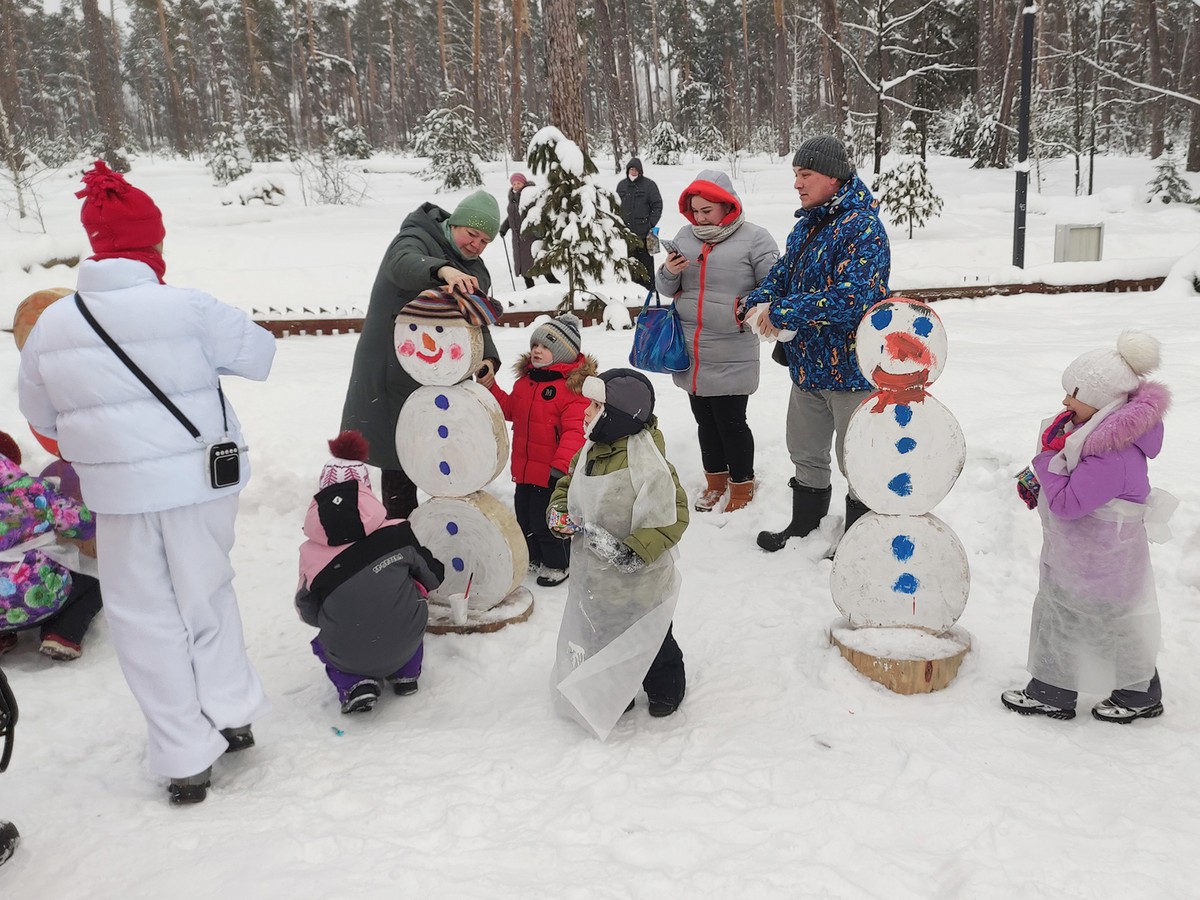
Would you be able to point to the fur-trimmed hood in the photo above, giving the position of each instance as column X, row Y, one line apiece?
column 1138, row 422
column 573, row 372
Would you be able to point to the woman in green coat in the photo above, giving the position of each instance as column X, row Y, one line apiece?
column 433, row 249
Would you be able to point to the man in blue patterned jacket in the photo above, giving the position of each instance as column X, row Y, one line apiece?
column 835, row 268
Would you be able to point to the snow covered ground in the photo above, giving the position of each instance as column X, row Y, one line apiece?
column 785, row 773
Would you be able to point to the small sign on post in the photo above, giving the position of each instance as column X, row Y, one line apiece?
column 1078, row 243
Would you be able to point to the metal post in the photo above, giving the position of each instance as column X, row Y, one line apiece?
column 1023, row 138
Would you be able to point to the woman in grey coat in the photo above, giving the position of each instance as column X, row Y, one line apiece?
column 721, row 258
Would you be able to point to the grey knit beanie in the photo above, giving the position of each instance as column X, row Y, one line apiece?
column 560, row 336
column 824, row 154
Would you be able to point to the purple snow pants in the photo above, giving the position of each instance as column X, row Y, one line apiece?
column 345, row 681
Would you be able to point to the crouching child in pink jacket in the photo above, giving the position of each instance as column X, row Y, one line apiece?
column 363, row 581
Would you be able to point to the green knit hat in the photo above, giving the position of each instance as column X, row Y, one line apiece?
column 480, row 211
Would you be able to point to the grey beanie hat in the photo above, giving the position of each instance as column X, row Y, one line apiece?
column 824, row 154
column 560, row 336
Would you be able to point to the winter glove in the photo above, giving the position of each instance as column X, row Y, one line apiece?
column 1028, row 487
column 1055, row 437
column 606, row 546
column 555, row 476
column 561, row 524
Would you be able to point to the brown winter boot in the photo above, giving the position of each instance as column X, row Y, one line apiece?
column 740, row 494
column 718, row 482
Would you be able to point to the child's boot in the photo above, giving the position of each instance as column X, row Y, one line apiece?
column 717, row 483
column 9, row 838
column 192, row 789
column 58, row 647
column 362, row 696
column 404, row 687
column 551, row 577
column 240, row 738
column 809, row 506
column 1111, row 711
column 1019, row 701
column 740, row 495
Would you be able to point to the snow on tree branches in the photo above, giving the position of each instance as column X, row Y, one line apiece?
column 448, row 136
column 577, row 219
column 905, row 190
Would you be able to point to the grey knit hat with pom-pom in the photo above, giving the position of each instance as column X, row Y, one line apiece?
column 560, row 336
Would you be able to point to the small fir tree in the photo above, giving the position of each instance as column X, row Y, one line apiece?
column 985, row 142
column 905, row 190
column 266, row 135
column 708, row 142
column 579, row 220
column 228, row 156
column 448, row 136
column 666, row 144
column 1168, row 185
column 964, row 125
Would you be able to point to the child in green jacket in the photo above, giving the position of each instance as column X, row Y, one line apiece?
column 624, row 509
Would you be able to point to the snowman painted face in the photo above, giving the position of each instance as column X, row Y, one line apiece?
column 438, row 352
column 903, row 339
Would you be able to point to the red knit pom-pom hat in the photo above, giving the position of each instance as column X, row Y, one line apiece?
column 349, row 463
column 116, row 215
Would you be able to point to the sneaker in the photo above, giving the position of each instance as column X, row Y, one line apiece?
column 59, row 648
column 9, row 838
column 8, row 640
column 190, row 790
column 1021, row 702
column 551, row 577
column 404, row 688
column 1108, row 711
column 240, row 738
column 362, row 697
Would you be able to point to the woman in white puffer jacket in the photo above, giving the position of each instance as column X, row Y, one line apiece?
column 164, row 533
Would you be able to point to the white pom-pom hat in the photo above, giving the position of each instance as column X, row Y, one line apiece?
column 1101, row 377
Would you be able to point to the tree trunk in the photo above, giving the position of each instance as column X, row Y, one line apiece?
column 838, row 89
column 107, row 87
column 783, row 125
column 356, row 104
column 441, row 35
column 565, row 75
column 608, row 69
column 1154, row 59
column 1193, row 153
column 1012, row 71
column 626, row 75
column 221, row 78
column 520, row 20
column 179, row 129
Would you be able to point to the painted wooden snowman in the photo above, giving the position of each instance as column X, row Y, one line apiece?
column 452, row 441
column 900, row 576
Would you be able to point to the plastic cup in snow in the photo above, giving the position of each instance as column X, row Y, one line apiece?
column 458, row 608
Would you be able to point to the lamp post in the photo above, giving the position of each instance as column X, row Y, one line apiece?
column 1023, row 137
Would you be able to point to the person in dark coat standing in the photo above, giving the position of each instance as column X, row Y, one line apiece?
column 641, row 208
column 433, row 249
column 522, row 242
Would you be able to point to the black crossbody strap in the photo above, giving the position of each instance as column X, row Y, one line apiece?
column 142, row 376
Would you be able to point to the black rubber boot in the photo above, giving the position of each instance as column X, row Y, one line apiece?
column 809, row 506
column 855, row 510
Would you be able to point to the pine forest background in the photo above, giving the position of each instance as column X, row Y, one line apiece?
column 243, row 80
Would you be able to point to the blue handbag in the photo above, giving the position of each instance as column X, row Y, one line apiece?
column 658, row 344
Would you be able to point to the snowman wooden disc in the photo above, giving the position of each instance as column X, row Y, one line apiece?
column 438, row 351
column 901, row 571
column 451, row 440
column 903, row 458
column 901, row 342
column 30, row 310
column 476, row 538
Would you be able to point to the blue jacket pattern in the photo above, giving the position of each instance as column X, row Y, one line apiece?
column 824, row 292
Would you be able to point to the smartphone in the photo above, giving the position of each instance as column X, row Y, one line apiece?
column 670, row 246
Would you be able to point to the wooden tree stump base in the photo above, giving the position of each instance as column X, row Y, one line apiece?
column 903, row 660
column 517, row 606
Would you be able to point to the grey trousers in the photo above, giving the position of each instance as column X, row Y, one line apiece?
column 813, row 419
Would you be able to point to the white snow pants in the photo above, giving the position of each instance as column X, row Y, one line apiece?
column 173, row 615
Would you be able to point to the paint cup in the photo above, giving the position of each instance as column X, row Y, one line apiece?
column 458, row 608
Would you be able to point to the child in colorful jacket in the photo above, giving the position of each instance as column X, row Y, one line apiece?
column 1095, row 622
column 363, row 580
column 41, row 585
column 546, row 410
column 624, row 506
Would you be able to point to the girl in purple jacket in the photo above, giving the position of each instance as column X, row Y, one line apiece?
column 1095, row 619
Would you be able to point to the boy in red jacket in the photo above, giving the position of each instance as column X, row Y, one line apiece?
column 546, row 410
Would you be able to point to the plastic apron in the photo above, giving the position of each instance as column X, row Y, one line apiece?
column 1096, row 625
column 614, row 622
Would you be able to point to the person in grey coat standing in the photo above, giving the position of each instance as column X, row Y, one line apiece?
column 721, row 258
column 641, row 208
column 522, row 241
